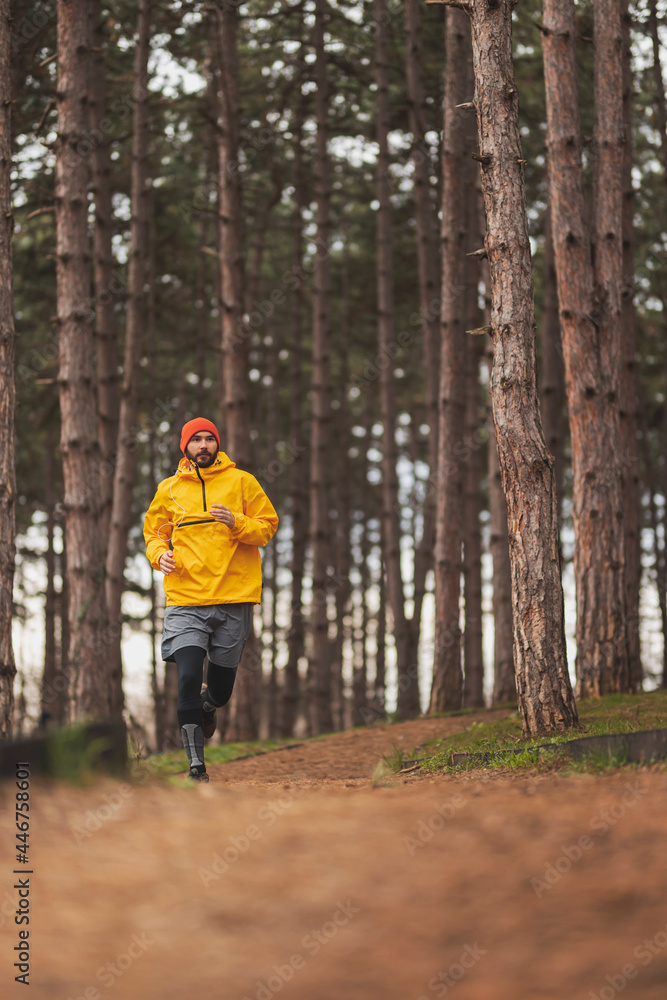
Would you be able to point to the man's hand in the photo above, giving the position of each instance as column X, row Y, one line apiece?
column 167, row 563
column 222, row 514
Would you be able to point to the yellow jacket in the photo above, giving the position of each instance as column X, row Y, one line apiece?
column 215, row 564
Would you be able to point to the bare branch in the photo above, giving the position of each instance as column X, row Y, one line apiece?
column 41, row 211
column 462, row 4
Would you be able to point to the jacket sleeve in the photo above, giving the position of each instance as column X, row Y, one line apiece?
column 258, row 523
column 157, row 529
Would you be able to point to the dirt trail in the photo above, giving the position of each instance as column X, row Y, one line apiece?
column 290, row 876
column 342, row 757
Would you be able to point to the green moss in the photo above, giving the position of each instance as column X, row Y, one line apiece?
column 613, row 714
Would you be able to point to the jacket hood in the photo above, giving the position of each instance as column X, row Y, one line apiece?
column 187, row 468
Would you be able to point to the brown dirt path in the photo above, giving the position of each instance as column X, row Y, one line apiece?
column 340, row 757
column 263, row 884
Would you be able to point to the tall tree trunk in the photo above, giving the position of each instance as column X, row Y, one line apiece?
column 273, row 687
column 7, row 392
column 106, row 284
column 157, row 691
column 235, row 335
column 54, row 682
column 406, row 660
column 90, row 686
column 121, row 510
column 589, row 298
column 342, row 500
column 206, row 218
column 361, row 713
column 473, row 652
column 244, row 711
column 628, row 389
column 379, row 705
column 50, row 651
column 504, row 682
column 427, row 258
column 61, row 684
column 661, row 126
column 447, row 688
column 272, row 394
column 553, row 374
column 251, row 307
column 299, row 466
column 319, row 668
column 545, row 694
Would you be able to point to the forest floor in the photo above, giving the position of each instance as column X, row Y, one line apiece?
column 311, row 873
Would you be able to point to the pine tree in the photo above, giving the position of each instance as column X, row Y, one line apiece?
column 90, row 688
column 543, row 684
column 7, row 393
column 589, row 271
column 319, row 676
column 447, row 690
column 126, row 450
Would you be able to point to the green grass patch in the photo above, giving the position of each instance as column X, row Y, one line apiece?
column 72, row 757
column 175, row 762
column 613, row 714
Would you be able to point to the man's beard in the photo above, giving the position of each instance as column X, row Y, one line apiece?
column 203, row 461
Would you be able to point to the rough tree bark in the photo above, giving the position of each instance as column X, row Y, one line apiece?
column 552, row 382
column 546, row 700
column 124, row 472
column 473, row 652
column 90, row 689
column 106, row 283
column 406, row 660
column 7, row 392
column 590, row 311
column 447, row 690
column 319, row 676
column 504, row 683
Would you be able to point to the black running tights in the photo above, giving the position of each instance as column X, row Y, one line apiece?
column 220, row 680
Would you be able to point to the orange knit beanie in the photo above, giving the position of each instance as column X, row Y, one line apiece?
column 193, row 426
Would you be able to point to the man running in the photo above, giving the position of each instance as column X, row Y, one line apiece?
column 203, row 531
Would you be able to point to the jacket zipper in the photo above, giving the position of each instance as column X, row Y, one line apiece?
column 203, row 486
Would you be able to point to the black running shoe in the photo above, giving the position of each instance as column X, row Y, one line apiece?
column 197, row 775
column 209, row 720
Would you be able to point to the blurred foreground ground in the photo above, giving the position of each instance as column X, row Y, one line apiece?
column 290, row 875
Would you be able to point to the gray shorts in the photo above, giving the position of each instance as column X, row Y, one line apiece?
column 220, row 629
